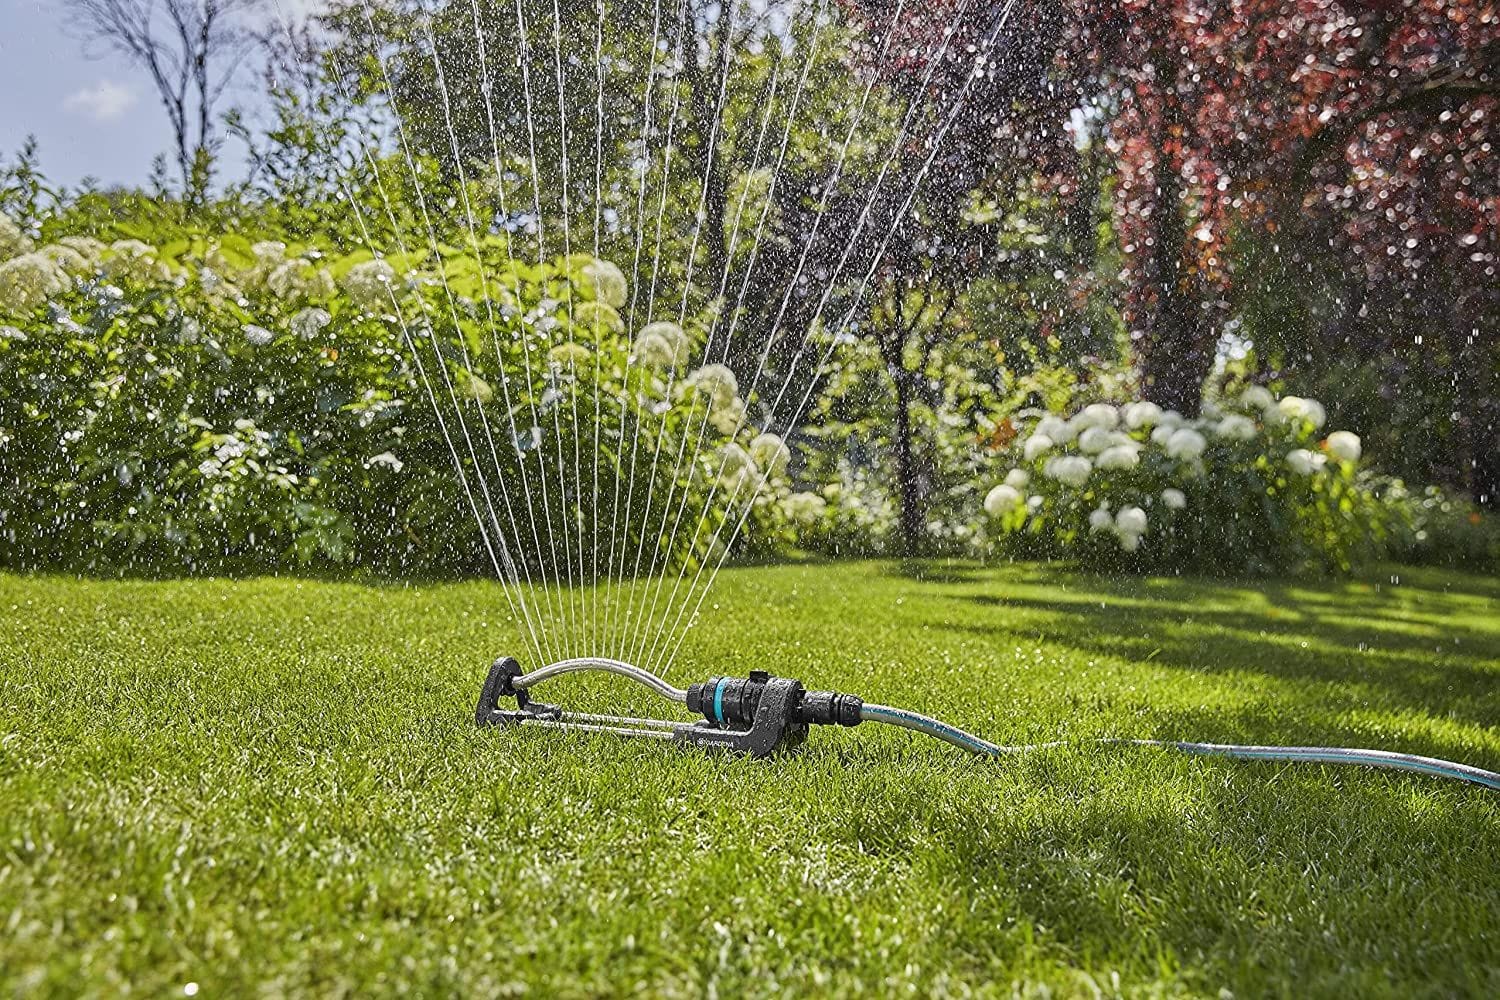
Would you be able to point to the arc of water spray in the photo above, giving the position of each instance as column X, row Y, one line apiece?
column 677, row 62
column 635, row 272
column 479, row 468
column 771, row 335
column 776, row 175
column 519, row 595
column 709, row 341
column 524, row 612
column 452, row 305
column 598, row 378
column 485, row 288
column 656, row 267
column 489, row 108
column 611, row 631
column 574, row 518
column 436, row 249
column 650, row 653
column 726, row 11
column 524, row 58
column 899, row 219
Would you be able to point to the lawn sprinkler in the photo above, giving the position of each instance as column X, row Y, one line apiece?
column 762, row 715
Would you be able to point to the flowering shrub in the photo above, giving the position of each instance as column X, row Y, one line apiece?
column 225, row 401
column 1252, row 486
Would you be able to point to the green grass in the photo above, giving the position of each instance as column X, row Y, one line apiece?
column 275, row 786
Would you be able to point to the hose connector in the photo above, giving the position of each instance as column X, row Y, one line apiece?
column 829, row 708
column 731, row 701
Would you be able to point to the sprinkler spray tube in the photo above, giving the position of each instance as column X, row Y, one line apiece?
column 761, row 715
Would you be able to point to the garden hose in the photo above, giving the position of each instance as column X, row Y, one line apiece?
column 761, row 715
column 1319, row 755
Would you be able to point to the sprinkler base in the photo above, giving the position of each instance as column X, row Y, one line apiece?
column 759, row 715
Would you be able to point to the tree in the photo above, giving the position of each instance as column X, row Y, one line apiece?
column 1383, row 298
column 984, row 117
column 191, row 49
column 1317, row 174
column 1225, row 117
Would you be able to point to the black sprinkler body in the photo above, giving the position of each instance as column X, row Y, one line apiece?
column 759, row 715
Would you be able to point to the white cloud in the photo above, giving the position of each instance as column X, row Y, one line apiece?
column 105, row 101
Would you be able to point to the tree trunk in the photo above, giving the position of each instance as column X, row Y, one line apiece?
column 913, row 514
column 1174, row 360
column 1177, row 353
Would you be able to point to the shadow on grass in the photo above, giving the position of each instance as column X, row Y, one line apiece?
column 936, row 571
column 1384, row 586
column 1186, row 858
column 1342, row 648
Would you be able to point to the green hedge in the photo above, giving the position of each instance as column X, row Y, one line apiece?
column 219, row 403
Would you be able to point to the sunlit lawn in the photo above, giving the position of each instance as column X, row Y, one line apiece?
column 274, row 786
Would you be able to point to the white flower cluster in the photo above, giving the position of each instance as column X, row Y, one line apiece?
column 771, row 455
column 89, row 249
column 310, row 322
column 67, row 258
column 257, row 336
column 1102, row 447
column 300, row 280
column 664, row 344
column 596, row 319
column 385, row 460
column 1003, row 499
column 1128, row 524
column 28, row 281
column 235, row 455
column 13, row 242
column 717, row 384
column 604, row 283
column 804, row 508
column 569, row 355
column 743, row 470
column 370, row 285
column 738, row 470
column 133, row 260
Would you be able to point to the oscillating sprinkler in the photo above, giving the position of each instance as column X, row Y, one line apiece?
column 759, row 715
column 762, row 715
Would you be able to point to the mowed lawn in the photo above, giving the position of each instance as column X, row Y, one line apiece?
column 275, row 786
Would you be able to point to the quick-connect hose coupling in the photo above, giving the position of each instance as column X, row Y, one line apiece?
column 829, row 708
column 728, row 701
column 731, row 701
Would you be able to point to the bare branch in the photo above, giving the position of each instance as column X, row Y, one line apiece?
column 191, row 49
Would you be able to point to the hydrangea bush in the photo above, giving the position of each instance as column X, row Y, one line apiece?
column 223, row 400
column 1257, row 484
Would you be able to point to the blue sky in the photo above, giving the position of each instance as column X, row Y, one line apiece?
column 94, row 117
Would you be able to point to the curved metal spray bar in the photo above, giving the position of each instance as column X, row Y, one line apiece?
column 938, row 729
column 605, row 665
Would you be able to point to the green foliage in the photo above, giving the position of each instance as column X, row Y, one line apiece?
column 1450, row 532
column 220, row 402
column 955, row 407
